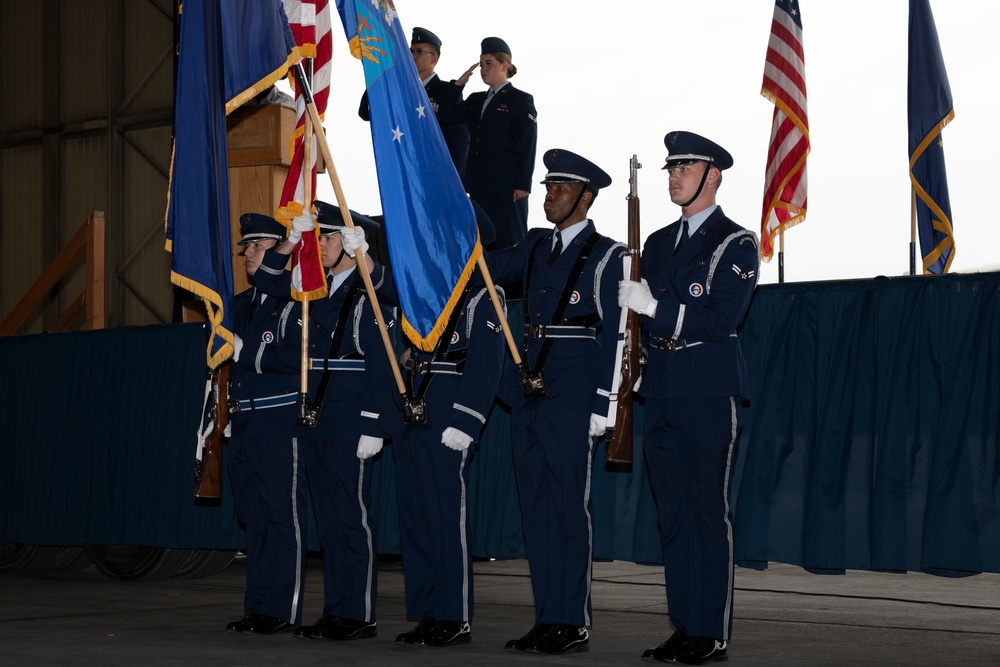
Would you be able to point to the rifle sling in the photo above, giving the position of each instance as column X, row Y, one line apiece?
column 557, row 315
column 441, row 354
column 337, row 341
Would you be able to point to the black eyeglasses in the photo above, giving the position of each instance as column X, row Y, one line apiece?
column 420, row 52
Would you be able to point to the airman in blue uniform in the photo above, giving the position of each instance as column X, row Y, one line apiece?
column 445, row 97
column 454, row 387
column 699, row 274
column 570, row 274
column 503, row 134
column 262, row 455
column 348, row 363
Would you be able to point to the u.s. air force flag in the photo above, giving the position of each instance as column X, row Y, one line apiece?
column 228, row 52
column 429, row 222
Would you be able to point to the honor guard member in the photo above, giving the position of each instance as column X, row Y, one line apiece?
column 449, row 393
column 347, row 361
column 263, row 461
column 571, row 275
column 445, row 97
column 698, row 276
column 503, row 134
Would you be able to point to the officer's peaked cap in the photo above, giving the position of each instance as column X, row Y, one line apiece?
column 258, row 227
column 688, row 147
column 495, row 45
column 424, row 36
column 567, row 167
column 330, row 220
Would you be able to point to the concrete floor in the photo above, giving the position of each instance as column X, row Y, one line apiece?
column 783, row 616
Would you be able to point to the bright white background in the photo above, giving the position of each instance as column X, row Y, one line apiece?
column 611, row 78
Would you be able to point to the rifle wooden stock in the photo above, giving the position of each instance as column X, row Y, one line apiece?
column 208, row 471
column 620, row 439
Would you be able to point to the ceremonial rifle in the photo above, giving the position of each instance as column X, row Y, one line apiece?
column 619, row 433
column 208, row 467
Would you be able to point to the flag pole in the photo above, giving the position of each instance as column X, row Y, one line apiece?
column 491, row 288
column 307, row 132
column 913, row 231
column 359, row 255
column 781, row 257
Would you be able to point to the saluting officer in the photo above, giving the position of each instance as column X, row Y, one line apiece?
column 262, row 459
column 454, row 386
column 347, row 362
column 699, row 274
column 571, row 275
column 503, row 134
column 445, row 97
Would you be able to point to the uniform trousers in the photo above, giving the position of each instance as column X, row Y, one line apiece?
column 553, row 462
column 267, row 480
column 432, row 489
column 690, row 447
column 340, row 487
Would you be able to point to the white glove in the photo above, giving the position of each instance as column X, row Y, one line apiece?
column 352, row 239
column 598, row 425
column 368, row 446
column 455, row 439
column 300, row 225
column 637, row 297
column 237, row 347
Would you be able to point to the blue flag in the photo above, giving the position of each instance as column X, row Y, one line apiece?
column 228, row 52
column 929, row 109
column 430, row 224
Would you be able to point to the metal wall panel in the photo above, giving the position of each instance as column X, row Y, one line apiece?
column 84, row 84
column 21, row 231
column 20, row 40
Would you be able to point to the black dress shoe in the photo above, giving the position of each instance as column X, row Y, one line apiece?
column 417, row 634
column 346, row 629
column 259, row 624
column 666, row 651
column 314, row 631
column 448, row 633
column 528, row 641
column 564, row 638
column 700, row 650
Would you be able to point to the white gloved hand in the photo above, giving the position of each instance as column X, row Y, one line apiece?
column 300, row 225
column 637, row 297
column 369, row 446
column 237, row 347
column 352, row 239
column 598, row 425
column 455, row 439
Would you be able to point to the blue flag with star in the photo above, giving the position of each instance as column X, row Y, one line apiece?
column 929, row 109
column 429, row 221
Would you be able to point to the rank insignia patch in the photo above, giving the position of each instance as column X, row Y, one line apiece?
column 744, row 275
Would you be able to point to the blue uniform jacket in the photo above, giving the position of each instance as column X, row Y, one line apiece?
column 594, row 298
column 703, row 294
column 502, row 143
column 461, row 401
column 363, row 365
column 252, row 377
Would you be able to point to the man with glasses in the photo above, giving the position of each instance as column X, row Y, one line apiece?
column 446, row 98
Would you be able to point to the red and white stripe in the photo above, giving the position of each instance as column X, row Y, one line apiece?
column 310, row 21
column 785, row 192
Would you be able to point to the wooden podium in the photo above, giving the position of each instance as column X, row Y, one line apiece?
column 260, row 139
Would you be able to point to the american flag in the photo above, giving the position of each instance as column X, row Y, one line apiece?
column 785, row 193
column 310, row 24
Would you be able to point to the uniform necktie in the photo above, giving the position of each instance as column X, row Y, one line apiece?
column 486, row 103
column 556, row 249
column 684, row 236
column 255, row 303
